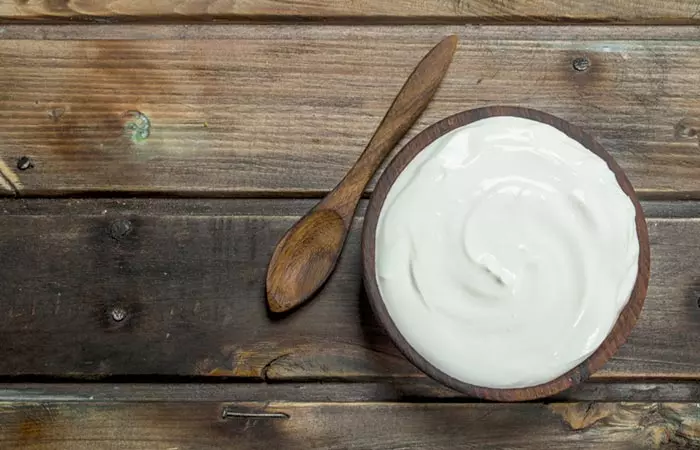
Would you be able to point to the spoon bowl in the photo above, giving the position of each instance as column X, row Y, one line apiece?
column 626, row 320
column 309, row 259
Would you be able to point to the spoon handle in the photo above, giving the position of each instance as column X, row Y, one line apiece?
column 306, row 256
column 407, row 107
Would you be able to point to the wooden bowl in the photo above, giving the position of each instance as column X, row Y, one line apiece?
column 627, row 319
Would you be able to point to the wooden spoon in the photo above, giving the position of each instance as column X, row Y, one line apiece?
column 307, row 254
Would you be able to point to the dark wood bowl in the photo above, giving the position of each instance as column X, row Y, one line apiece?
column 627, row 319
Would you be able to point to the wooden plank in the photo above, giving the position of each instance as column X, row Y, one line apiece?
column 189, row 426
column 188, row 277
column 484, row 11
column 296, row 30
column 395, row 390
column 275, row 110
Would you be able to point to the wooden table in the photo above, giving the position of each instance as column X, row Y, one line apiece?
column 152, row 153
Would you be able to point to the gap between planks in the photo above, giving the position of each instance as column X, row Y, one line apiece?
column 421, row 390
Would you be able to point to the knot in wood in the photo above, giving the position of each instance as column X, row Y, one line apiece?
column 687, row 129
column 138, row 125
column 120, row 228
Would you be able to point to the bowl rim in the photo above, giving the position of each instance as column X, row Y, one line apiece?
column 627, row 318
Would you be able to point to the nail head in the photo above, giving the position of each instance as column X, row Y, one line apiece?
column 118, row 314
column 120, row 228
column 581, row 64
column 24, row 163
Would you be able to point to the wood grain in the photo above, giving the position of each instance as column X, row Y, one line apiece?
column 622, row 327
column 138, row 31
column 284, row 110
column 200, row 426
column 615, row 11
column 189, row 275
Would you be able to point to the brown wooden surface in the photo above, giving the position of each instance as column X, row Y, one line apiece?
column 164, row 107
column 286, row 110
column 190, row 276
column 200, row 426
column 627, row 318
column 625, row 11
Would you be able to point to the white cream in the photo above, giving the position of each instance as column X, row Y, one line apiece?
column 505, row 252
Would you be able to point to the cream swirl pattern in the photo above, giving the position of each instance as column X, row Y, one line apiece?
column 505, row 251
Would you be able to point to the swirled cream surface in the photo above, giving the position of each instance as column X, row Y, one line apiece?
column 505, row 252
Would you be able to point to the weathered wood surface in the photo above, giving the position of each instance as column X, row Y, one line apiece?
column 525, row 11
column 285, row 110
column 188, row 277
column 201, row 426
column 143, row 291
